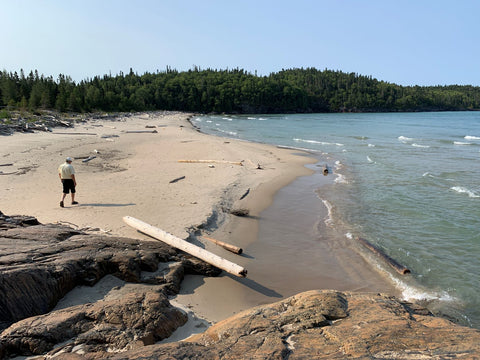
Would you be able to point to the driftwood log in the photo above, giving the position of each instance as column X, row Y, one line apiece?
column 393, row 263
column 229, row 247
column 185, row 246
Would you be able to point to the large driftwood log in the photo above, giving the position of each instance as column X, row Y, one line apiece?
column 183, row 245
column 229, row 247
column 392, row 262
column 240, row 163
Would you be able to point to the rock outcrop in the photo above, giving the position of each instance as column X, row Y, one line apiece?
column 326, row 325
column 39, row 263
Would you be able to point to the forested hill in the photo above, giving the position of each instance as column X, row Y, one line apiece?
column 229, row 91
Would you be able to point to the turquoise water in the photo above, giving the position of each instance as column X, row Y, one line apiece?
column 407, row 182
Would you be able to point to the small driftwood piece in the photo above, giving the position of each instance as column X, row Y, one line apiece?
column 325, row 170
column 89, row 158
column 141, row 131
column 229, row 247
column 185, row 246
column 393, row 263
column 240, row 163
column 245, row 194
column 177, row 179
column 6, row 164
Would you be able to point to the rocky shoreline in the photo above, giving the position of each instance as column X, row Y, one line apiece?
column 40, row 264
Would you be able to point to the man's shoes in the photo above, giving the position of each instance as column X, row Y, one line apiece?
column 61, row 203
column 74, row 203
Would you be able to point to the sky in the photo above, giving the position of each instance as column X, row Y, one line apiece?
column 406, row 42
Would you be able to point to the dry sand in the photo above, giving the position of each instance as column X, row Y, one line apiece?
column 132, row 174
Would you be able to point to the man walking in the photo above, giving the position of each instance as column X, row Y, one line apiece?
column 66, row 172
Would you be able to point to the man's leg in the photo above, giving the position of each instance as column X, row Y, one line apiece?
column 63, row 198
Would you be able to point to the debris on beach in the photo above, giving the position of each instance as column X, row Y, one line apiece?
column 177, row 179
column 185, row 246
column 240, row 212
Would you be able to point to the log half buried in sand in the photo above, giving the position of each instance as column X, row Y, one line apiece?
column 240, row 163
column 229, row 247
column 393, row 263
column 183, row 245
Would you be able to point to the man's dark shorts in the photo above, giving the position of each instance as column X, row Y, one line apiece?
column 68, row 185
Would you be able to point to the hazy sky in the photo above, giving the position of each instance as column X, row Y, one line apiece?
column 408, row 42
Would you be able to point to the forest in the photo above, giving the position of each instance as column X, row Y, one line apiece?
column 228, row 91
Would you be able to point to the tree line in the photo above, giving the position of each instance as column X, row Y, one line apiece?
column 229, row 91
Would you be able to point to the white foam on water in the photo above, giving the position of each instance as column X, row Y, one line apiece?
column 328, row 218
column 462, row 190
column 340, row 179
column 232, row 133
column 420, row 146
column 404, row 139
column 469, row 137
column 262, row 119
column 316, row 142
column 209, row 121
column 369, row 159
column 371, row 145
column 251, row 118
column 338, row 165
column 412, row 293
column 461, row 143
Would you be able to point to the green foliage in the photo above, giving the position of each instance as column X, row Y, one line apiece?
column 230, row 91
column 4, row 114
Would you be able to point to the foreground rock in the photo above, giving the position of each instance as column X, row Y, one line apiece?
column 41, row 263
column 326, row 325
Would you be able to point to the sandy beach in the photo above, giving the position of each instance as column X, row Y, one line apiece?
column 136, row 159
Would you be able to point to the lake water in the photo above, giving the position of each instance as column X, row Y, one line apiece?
column 407, row 182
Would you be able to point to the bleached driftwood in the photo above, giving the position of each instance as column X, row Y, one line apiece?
column 240, row 163
column 229, row 247
column 183, row 245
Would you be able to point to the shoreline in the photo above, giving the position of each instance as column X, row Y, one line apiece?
column 131, row 176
